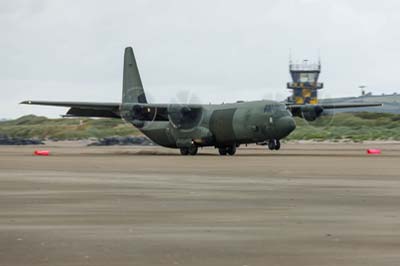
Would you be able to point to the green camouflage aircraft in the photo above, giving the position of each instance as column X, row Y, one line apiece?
column 189, row 126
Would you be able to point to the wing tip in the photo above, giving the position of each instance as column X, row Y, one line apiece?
column 26, row 102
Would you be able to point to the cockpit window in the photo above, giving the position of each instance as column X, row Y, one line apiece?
column 275, row 107
column 268, row 109
column 282, row 107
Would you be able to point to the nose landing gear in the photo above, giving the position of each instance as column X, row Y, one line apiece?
column 274, row 144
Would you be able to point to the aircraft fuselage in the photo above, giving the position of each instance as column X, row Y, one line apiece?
column 222, row 125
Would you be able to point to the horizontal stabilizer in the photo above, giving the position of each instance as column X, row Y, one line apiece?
column 75, row 104
column 80, row 112
column 84, row 109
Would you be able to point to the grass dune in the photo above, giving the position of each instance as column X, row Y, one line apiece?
column 343, row 126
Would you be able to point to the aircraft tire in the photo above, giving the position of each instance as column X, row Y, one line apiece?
column 277, row 145
column 193, row 150
column 272, row 144
column 231, row 150
column 184, row 151
column 222, row 151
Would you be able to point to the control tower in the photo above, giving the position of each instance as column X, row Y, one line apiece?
column 305, row 82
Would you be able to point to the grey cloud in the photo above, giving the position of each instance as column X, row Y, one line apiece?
column 218, row 50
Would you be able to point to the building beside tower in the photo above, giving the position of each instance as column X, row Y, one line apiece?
column 304, row 83
column 305, row 86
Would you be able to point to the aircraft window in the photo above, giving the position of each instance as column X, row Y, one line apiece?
column 268, row 109
column 271, row 108
column 279, row 107
column 282, row 107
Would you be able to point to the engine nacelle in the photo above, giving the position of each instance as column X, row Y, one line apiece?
column 140, row 112
column 310, row 113
column 184, row 116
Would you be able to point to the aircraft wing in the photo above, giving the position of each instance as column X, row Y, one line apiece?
column 310, row 112
column 140, row 111
column 84, row 109
column 333, row 106
column 161, row 112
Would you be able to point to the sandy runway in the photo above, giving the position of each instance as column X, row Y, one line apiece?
column 309, row 204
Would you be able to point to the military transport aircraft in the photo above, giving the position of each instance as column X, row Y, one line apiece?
column 189, row 126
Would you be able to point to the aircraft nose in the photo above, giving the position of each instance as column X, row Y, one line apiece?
column 285, row 125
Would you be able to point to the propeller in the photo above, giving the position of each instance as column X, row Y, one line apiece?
column 180, row 113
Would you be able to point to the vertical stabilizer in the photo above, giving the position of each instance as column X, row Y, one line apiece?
column 132, row 88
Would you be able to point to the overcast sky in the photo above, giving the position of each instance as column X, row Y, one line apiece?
column 194, row 51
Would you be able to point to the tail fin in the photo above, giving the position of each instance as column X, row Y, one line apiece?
column 132, row 88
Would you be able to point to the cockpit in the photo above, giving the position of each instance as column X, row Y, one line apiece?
column 272, row 108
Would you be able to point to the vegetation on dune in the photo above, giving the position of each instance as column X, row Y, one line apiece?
column 349, row 126
column 65, row 128
column 343, row 126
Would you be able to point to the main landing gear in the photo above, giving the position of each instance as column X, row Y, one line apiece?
column 231, row 150
column 189, row 150
column 274, row 144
